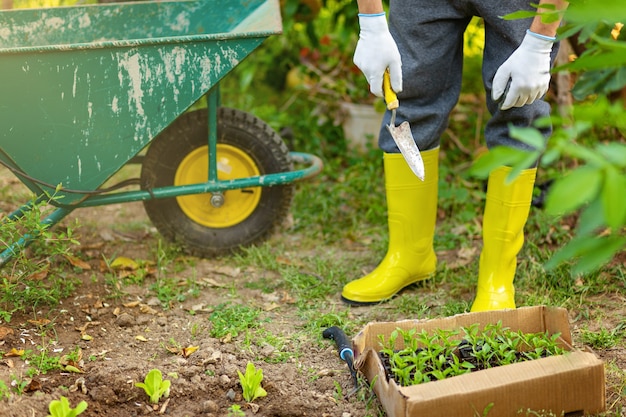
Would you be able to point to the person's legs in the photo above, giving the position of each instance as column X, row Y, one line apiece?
column 502, row 37
column 429, row 34
column 507, row 202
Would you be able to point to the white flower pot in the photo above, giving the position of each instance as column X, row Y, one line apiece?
column 361, row 125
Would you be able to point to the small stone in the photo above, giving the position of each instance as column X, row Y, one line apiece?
column 231, row 394
column 125, row 320
column 224, row 380
column 210, row 406
column 153, row 302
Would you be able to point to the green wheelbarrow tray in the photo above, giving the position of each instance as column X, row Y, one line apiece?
column 85, row 89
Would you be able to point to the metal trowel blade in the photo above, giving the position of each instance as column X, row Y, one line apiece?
column 404, row 139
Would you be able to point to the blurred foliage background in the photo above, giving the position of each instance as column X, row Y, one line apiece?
column 296, row 83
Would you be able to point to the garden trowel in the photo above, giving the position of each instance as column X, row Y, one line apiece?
column 402, row 134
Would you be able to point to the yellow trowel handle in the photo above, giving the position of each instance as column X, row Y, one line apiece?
column 390, row 97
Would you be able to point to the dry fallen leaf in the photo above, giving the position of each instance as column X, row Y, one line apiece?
column 71, row 368
column 146, row 309
column 14, row 353
column 186, row 352
column 40, row 322
column 41, row 274
column 77, row 262
column 212, row 283
column 226, row 270
column 271, row 306
column 141, row 338
column 122, row 262
column 173, row 349
column 5, row 331
column 84, row 327
column 33, row 385
column 132, row 304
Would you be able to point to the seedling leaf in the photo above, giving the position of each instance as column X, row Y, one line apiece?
column 251, row 383
column 155, row 386
column 61, row 408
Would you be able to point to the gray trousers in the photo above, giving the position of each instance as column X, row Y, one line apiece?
column 429, row 34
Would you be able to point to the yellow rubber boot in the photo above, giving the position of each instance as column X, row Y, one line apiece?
column 506, row 211
column 411, row 217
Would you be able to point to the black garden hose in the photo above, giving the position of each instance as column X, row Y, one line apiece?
column 344, row 347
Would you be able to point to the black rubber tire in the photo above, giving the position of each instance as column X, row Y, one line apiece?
column 236, row 128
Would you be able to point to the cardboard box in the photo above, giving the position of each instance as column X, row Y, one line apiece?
column 569, row 383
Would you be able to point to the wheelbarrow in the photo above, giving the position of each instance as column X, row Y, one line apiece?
column 87, row 89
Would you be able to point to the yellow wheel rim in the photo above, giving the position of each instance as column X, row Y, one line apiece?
column 232, row 163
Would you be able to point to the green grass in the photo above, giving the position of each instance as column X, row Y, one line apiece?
column 233, row 319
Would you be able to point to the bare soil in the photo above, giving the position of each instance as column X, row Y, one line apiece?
column 130, row 331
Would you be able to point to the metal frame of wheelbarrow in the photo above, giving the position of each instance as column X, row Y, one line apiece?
column 213, row 185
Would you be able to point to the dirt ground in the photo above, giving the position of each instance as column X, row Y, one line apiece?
column 130, row 334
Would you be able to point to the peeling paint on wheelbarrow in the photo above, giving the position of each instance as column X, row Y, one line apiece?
column 85, row 89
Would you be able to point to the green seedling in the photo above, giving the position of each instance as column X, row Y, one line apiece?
column 443, row 354
column 235, row 411
column 251, row 383
column 61, row 408
column 155, row 386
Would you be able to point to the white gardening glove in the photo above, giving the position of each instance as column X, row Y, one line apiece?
column 376, row 51
column 527, row 70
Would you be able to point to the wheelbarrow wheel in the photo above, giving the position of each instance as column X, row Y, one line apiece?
column 209, row 224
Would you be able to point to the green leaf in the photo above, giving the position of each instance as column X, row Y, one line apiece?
column 61, row 408
column 591, row 219
column 154, row 386
column 587, row 11
column 589, row 155
column 589, row 253
column 251, row 383
column 614, row 152
column 502, row 155
column 550, row 156
column 599, row 253
column 598, row 62
column 614, row 197
column 574, row 190
column 522, row 14
column 529, row 135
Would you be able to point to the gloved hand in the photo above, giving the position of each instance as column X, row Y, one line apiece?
column 376, row 51
column 527, row 70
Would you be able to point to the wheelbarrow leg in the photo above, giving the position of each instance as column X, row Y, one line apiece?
column 213, row 104
column 16, row 247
